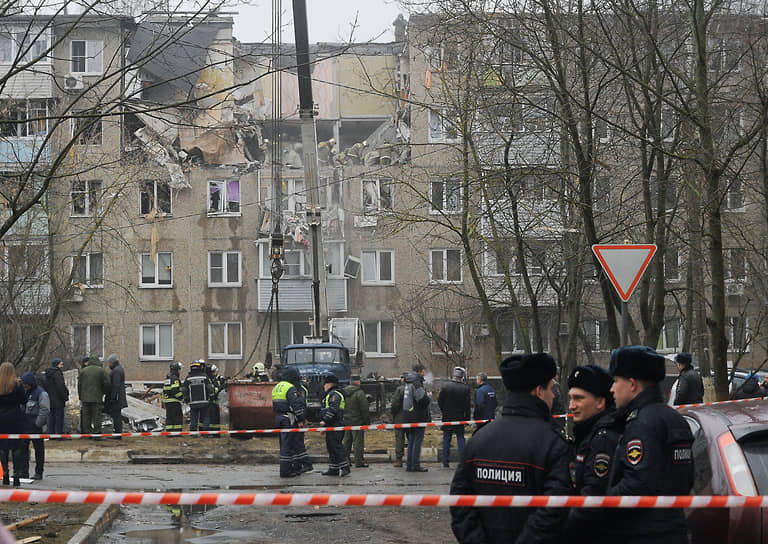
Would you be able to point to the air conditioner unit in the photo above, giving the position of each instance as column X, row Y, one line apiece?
column 734, row 288
column 73, row 82
column 479, row 329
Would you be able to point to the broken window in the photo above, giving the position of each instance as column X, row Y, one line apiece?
column 86, row 56
column 377, row 195
column 224, row 269
column 445, row 195
column 86, row 127
column 444, row 126
column 89, row 270
column 157, row 341
column 154, row 194
column 87, row 341
column 447, row 337
column 224, row 197
column 225, row 340
column 158, row 273
column 85, row 197
column 294, row 195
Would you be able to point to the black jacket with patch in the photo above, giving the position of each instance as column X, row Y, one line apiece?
column 595, row 444
column 654, row 457
column 523, row 452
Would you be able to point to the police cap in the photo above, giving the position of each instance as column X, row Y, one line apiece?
column 593, row 379
column 639, row 362
column 683, row 359
column 525, row 372
column 331, row 378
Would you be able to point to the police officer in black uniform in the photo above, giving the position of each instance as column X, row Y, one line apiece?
column 590, row 403
column 173, row 396
column 654, row 455
column 523, row 452
column 332, row 415
column 290, row 408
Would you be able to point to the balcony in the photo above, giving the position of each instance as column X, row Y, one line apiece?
column 295, row 294
column 23, row 151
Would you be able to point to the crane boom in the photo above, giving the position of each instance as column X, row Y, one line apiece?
column 309, row 144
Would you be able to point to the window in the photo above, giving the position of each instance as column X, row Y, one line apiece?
column 445, row 266
column 447, row 337
column 296, row 263
column 735, row 197
column 671, row 335
column 443, row 126
column 224, row 269
column 535, row 258
column 377, row 195
column 21, row 118
column 672, row 264
column 85, row 197
column 87, row 127
column 592, row 334
column 738, row 334
column 157, row 341
column 224, row 197
column 378, row 267
column 28, row 44
column 602, row 132
column 225, row 340
column 89, row 270
column 333, row 252
column 293, row 332
column 86, row 56
column 444, row 195
column 379, row 338
column 23, row 261
column 498, row 261
column 735, row 264
column 6, row 48
column 154, row 194
column 670, row 195
column 158, row 273
column 87, row 341
column 601, row 197
column 294, row 195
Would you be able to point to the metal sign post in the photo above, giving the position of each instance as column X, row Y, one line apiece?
column 624, row 264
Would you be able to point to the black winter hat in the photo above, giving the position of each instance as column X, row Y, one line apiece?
column 524, row 372
column 639, row 362
column 331, row 378
column 684, row 359
column 594, row 379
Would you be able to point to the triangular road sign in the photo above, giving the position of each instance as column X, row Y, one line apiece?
column 624, row 264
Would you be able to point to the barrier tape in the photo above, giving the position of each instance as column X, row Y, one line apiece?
column 327, row 499
column 380, row 426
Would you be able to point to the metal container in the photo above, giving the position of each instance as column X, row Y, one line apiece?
column 250, row 405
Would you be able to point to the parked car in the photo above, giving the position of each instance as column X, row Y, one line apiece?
column 730, row 451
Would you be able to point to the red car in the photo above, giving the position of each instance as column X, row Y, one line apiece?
column 730, row 452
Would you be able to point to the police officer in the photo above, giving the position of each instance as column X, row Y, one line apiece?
column 219, row 384
column 198, row 389
column 654, row 455
column 690, row 387
column 173, row 396
column 522, row 452
column 332, row 415
column 591, row 405
column 290, row 408
column 485, row 399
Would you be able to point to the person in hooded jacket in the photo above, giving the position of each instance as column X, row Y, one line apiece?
column 592, row 408
column 522, row 452
column 290, row 407
column 58, row 394
column 37, row 409
column 455, row 404
column 416, row 403
column 12, row 421
column 690, row 387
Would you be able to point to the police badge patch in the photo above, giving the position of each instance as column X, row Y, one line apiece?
column 634, row 451
column 602, row 464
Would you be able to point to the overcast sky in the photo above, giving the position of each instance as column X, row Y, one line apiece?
column 329, row 20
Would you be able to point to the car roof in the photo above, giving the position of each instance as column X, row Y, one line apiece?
column 291, row 346
column 741, row 418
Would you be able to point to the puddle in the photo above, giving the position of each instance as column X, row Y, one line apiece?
column 171, row 536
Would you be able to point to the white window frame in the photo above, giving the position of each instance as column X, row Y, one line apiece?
column 305, row 268
column 154, row 197
column 432, row 253
column 34, row 112
column 731, row 337
column 598, row 123
column 735, row 193
column 155, row 284
column 225, row 354
column 156, row 331
column 729, row 258
column 673, row 253
column 225, row 269
column 14, row 39
column 445, row 201
column 291, row 331
column 89, row 282
column 92, row 195
column 376, row 253
column 376, row 204
column 434, row 341
column 664, row 340
column 93, row 58
column 223, row 208
column 28, row 269
column 84, row 137
column 88, row 338
column 438, row 124
column 378, row 354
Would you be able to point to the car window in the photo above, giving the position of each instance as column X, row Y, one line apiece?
column 756, row 452
column 702, row 476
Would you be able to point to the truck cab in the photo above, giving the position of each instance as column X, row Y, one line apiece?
column 314, row 362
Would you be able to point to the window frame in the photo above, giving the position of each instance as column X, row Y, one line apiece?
column 730, row 331
column 86, row 192
column 377, row 262
column 156, row 332
column 728, row 255
column 97, row 128
column 435, row 337
column 88, row 338
column 87, row 282
column 224, row 189
column 445, row 199
column 154, row 198
column 156, row 283
column 88, row 55
column 445, row 279
column 377, row 207
column 225, row 354
column 225, row 269
column 381, row 354
column 442, row 115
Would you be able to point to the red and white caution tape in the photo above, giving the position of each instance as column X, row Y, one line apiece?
column 380, row 426
column 326, row 499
